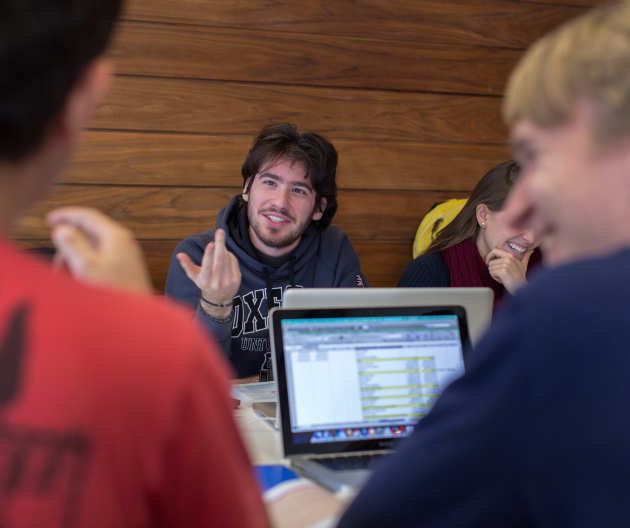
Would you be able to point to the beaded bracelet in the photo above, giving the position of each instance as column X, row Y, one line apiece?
column 216, row 319
column 217, row 305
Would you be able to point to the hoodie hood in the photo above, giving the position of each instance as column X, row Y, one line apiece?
column 295, row 264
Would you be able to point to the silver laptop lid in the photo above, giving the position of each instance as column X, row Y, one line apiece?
column 476, row 301
column 357, row 379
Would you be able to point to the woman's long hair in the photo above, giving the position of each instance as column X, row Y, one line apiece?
column 491, row 190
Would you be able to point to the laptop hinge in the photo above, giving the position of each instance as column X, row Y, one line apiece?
column 343, row 455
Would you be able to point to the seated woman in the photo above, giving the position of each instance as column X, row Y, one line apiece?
column 475, row 248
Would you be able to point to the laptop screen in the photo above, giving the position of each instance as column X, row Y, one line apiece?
column 365, row 374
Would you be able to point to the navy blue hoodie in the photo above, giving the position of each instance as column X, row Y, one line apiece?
column 536, row 432
column 322, row 259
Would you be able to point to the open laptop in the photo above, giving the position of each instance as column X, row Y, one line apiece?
column 352, row 381
column 476, row 301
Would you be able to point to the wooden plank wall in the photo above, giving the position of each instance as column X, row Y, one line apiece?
column 408, row 91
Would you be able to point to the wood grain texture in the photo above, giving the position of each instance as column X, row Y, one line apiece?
column 174, row 213
column 176, row 105
column 571, row 3
column 409, row 93
column 136, row 158
column 129, row 158
column 382, row 263
column 290, row 58
column 495, row 23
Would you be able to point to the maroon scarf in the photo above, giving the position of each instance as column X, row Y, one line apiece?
column 467, row 268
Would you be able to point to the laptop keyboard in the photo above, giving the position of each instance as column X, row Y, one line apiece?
column 345, row 463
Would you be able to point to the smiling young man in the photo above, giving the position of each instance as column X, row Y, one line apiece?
column 276, row 234
column 536, row 432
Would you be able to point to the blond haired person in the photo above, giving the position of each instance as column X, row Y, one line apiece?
column 536, row 432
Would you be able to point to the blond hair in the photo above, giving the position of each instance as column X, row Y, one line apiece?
column 587, row 59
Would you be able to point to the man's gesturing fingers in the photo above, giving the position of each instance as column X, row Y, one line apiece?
column 226, row 275
column 191, row 270
column 221, row 269
column 236, row 270
column 219, row 278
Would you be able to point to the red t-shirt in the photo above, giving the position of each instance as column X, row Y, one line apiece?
column 115, row 411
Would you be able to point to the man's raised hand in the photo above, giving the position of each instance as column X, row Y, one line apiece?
column 218, row 278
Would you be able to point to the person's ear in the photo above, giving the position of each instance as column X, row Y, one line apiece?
column 319, row 211
column 245, row 193
column 482, row 215
column 86, row 94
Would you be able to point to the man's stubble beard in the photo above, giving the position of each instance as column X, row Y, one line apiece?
column 285, row 241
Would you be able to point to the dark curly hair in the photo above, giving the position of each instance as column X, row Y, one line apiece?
column 315, row 152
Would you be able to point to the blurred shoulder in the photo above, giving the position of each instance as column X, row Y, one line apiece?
column 596, row 277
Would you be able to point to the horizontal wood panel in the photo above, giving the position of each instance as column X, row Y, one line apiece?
column 415, row 166
column 513, row 24
column 209, row 107
column 574, row 3
column 128, row 158
column 382, row 263
column 391, row 216
column 290, row 58
column 174, row 213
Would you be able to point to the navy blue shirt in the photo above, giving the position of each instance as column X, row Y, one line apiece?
column 537, row 431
